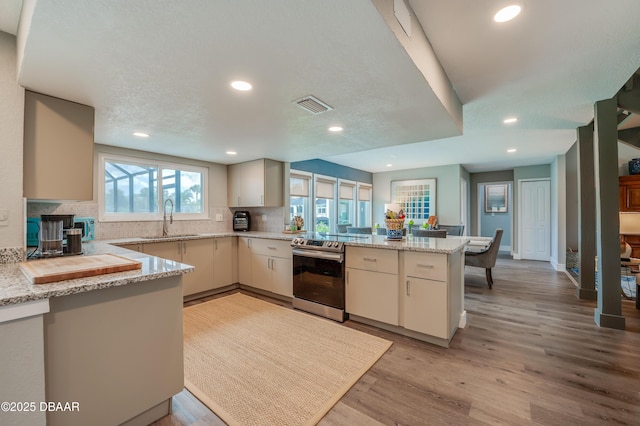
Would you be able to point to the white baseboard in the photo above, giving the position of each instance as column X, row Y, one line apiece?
column 561, row 267
column 463, row 320
column 516, row 256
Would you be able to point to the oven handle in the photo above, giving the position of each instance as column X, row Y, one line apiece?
column 338, row 257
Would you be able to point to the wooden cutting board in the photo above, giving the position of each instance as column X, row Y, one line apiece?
column 55, row 269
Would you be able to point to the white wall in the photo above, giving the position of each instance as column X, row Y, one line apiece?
column 11, row 135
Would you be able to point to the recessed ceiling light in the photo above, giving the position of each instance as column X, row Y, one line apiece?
column 335, row 129
column 243, row 86
column 512, row 150
column 510, row 120
column 231, row 153
column 141, row 134
column 507, row 13
column 389, row 165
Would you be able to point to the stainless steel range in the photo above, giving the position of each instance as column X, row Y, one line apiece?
column 318, row 275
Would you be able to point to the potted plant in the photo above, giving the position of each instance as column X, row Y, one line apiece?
column 410, row 225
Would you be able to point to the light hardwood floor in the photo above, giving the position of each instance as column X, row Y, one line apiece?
column 530, row 354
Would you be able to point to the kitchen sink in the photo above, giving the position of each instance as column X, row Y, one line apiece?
column 159, row 237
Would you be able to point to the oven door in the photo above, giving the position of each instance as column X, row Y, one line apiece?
column 319, row 277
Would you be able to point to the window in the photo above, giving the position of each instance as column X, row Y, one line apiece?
column 132, row 189
column 364, row 204
column 346, row 202
column 300, row 204
column 325, row 194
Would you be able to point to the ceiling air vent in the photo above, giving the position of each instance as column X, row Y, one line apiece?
column 313, row 105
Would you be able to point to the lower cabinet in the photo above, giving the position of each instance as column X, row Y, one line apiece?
column 426, row 307
column 197, row 253
column 222, row 262
column 372, row 284
column 372, row 295
column 266, row 265
column 134, row 246
column 433, row 293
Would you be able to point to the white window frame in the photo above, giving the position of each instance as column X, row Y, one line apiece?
column 158, row 216
column 369, row 187
column 334, row 213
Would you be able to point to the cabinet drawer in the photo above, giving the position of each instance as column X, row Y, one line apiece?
column 375, row 260
column 432, row 266
column 277, row 248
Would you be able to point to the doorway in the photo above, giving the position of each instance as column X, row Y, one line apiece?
column 534, row 219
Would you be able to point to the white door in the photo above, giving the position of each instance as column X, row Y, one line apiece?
column 535, row 220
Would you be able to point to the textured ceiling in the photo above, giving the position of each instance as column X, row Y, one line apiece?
column 164, row 67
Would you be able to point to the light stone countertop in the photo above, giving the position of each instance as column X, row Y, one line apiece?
column 15, row 288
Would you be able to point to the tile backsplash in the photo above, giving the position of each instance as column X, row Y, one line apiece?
column 274, row 220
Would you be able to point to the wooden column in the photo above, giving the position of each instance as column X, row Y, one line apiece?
column 586, row 215
column 609, row 310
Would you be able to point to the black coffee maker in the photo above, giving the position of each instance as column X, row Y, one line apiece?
column 58, row 235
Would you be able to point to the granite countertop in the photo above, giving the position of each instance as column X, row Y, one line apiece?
column 15, row 288
column 447, row 245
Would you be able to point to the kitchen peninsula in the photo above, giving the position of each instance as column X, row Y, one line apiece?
column 110, row 343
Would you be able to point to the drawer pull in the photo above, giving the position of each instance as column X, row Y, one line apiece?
column 369, row 259
column 422, row 265
column 408, row 288
column 271, row 248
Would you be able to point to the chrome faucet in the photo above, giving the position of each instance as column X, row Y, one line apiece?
column 165, row 228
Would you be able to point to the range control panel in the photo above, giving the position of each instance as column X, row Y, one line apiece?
column 318, row 244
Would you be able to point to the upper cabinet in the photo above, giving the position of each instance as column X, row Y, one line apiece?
column 629, row 193
column 58, row 149
column 257, row 183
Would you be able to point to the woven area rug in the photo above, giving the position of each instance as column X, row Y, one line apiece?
column 255, row 363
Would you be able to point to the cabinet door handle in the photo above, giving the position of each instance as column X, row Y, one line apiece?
column 347, row 277
column 215, row 244
column 370, row 259
column 423, row 265
column 184, row 248
column 408, row 288
column 249, row 243
column 262, row 200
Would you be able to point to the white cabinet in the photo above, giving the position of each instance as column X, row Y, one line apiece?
column 222, row 262
column 266, row 265
column 198, row 253
column 372, row 284
column 58, row 149
column 244, row 260
column 425, row 307
column 257, row 183
column 432, row 294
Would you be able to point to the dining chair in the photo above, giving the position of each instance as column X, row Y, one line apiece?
column 359, row 230
column 342, row 228
column 486, row 259
column 457, row 230
column 432, row 233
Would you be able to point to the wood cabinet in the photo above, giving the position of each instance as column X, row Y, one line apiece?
column 222, row 262
column 372, row 284
column 266, row 265
column 629, row 198
column 58, row 149
column 257, row 183
column 433, row 293
column 198, row 253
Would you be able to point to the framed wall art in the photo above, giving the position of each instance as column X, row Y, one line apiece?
column 495, row 198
